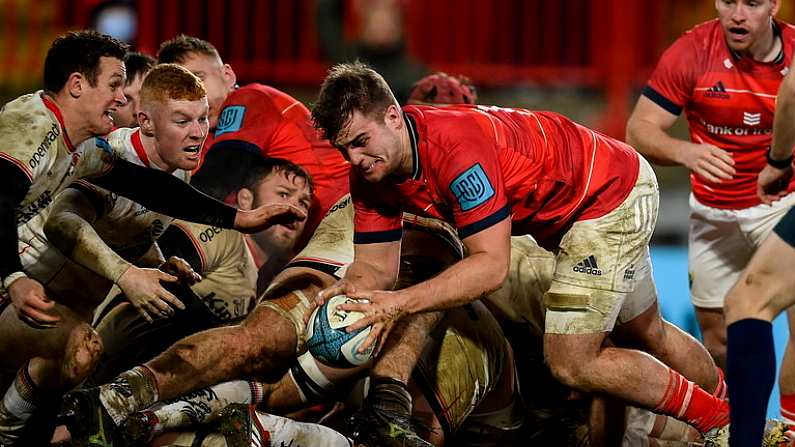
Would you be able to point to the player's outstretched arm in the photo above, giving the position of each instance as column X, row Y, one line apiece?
column 69, row 228
column 774, row 178
column 647, row 132
column 166, row 194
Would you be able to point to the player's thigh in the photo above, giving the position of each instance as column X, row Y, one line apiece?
column 20, row 342
column 758, row 221
column 718, row 251
column 600, row 262
column 767, row 286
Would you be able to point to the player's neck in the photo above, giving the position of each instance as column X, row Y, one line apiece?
column 74, row 123
column 155, row 160
column 766, row 48
column 406, row 157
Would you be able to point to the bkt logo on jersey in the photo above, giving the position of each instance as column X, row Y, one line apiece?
column 231, row 120
column 472, row 188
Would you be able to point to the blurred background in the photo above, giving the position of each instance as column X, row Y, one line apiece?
column 587, row 59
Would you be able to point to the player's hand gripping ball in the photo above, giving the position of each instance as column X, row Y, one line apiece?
column 328, row 340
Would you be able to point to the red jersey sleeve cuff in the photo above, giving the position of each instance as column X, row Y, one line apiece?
column 661, row 100
column 486, row 222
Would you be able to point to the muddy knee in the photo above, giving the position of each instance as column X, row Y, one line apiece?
column 81, row 355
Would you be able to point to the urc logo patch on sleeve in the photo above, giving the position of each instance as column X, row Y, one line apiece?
column 230, row 120
column 472, row 188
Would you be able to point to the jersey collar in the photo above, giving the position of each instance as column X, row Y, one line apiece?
column 415, row 153
column 139, row 147
column 776, row 35
column 59, row 117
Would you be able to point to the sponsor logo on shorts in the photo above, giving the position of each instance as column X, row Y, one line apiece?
column 588, row 266
column 629, row 273
column 472, row 188
column 231, row 120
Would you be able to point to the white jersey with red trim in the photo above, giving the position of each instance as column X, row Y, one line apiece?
column 127, row 227
column 35, row 141
column 229, row 284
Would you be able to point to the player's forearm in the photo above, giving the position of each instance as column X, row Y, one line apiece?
column 783, row 130
column 166, row 194
column 654, row 143
column 465, row 281
column 364, row 275
column 78, row 240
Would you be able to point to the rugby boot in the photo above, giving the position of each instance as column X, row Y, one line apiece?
column 374, row 427
column 88, row 422
column 234, row 422
column 776, row 435
column 717, row 437
column 139, row 427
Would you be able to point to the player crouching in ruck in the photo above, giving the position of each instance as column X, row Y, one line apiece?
column 488, row 170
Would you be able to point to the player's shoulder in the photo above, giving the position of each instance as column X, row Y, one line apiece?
column 27, row 121
column 704, row 37
column 120, row 142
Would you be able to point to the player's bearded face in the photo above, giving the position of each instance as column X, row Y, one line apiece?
column 100, row 102
column 372, row 145
column 218, row 79
column 745, row 22
column 180, row 129
column 290, row 189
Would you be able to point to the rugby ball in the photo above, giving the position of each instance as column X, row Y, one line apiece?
column 328, row 340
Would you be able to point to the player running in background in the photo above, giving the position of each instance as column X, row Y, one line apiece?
column 494, row 172
column 137, row 65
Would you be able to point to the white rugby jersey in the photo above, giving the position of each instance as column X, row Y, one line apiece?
column 127, row 227
column 35, row 141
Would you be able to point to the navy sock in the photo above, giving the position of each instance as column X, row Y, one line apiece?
column 751, row 372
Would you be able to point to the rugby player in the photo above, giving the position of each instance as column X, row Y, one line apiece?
column 137, row 66
column 724, row 74
column 256, row 119
column 494, row 172
column 763, row 291
column 226, row 263
column 55, row 141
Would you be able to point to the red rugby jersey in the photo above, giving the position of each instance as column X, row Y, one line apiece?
column 277, row 125
column 476, row 165
column 729, row 102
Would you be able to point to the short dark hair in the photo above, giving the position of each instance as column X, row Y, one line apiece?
column 264, row 167
column 228, row 168
column 174, row 51
column 346, row 89
column 138, row 64
column 79, row 52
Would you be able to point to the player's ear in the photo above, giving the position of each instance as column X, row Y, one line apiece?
column 146, row 124
column 245, row 199
column 75, row 84
column 393, row 116
column 230, row 78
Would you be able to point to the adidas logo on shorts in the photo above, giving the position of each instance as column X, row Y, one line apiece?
column 588, row 266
